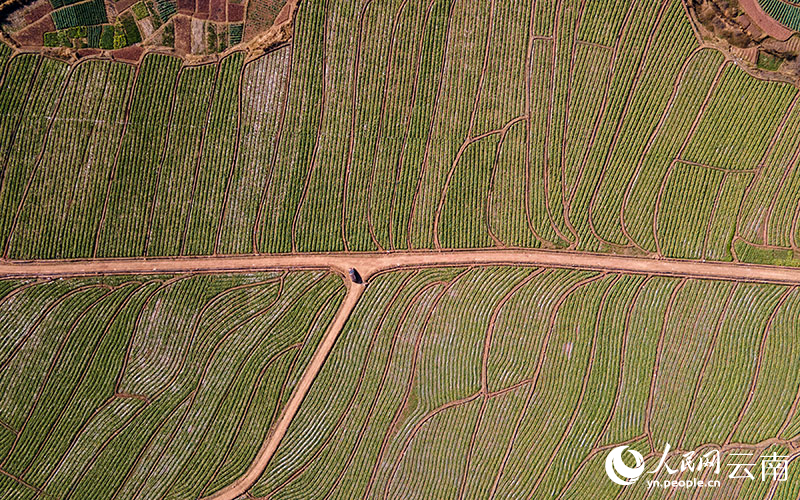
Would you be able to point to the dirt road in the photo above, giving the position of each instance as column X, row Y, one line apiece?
column 369, row 264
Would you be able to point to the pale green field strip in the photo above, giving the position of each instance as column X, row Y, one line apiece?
column 410, row 124
column 512, row 382
column 149, row 386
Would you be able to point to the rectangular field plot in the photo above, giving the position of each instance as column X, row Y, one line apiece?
column 149, row 386
column 515, row 382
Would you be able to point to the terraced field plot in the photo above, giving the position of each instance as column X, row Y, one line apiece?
column 149, row 386
column 515, row 382
column 786, row 12
column 466, row 382
column 389, row 124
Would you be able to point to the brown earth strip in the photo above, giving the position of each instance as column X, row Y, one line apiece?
column 33, row 34
column 218, row 10
column 371, row 263
column 38, row 11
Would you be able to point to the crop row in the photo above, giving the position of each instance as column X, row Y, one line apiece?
column 68, row 186
column 514, row 382
column 787, row 12
column 86, row 13
column 150, row 386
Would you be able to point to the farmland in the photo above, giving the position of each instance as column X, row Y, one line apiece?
column 547, row 369
column 107, row 380
column 787, row 12
column 435, row 132
column 199, row 30
column 395, row 249
column 531, row 397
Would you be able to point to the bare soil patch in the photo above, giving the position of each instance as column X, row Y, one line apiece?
column 285, row 14
column 20, row 18
column 202, row 9
column 38, row 10
column 741, row 29
column 235, row 12
column 89, row 52
column 146, row 25
column 198, row 36
column 33, row 35
column 186, row 7
column 183, row 34
column 128, row 54
column 123, row 5
column 218, row 10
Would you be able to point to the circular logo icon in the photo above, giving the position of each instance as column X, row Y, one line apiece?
column 620, row 473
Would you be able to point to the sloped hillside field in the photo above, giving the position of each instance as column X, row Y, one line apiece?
column 515, row 382
column 149, row 386
column 408, row 124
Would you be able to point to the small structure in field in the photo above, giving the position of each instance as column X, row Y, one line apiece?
column 354, row 276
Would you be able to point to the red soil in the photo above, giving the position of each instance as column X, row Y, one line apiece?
column 122, row 5
column 217, row 10
column 764, row 21
column 285, row 13
column 183, row 34
column 130, row 54
column 33, row 35
column 38, row 12
column 186, row 7
column 202, row 9
column 235, row 12
column 88, row 52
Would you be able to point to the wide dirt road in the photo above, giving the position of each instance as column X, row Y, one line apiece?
column 369, row 264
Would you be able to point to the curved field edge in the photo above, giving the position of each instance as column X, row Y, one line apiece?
column 150, row 386
column 407, row 125
column 516, row 381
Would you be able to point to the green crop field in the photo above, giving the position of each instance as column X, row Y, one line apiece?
column 409, row 125
column 785, row 11
column 145, row 386
column 444, row 383
column 453, row 383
